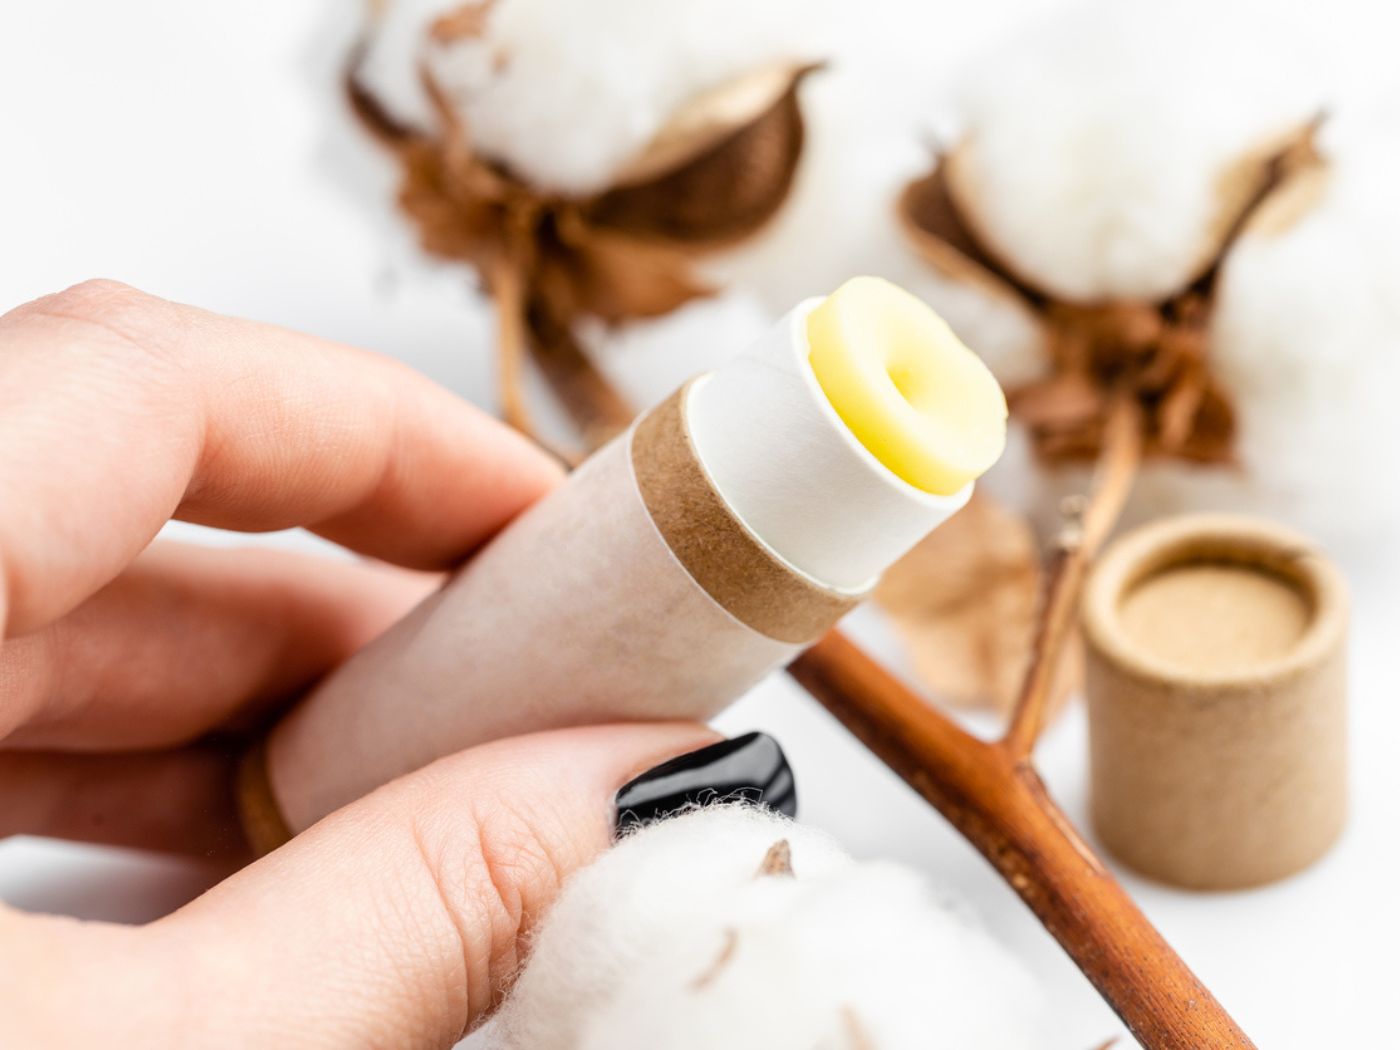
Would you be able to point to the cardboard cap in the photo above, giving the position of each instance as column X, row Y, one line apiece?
column 1216, row 685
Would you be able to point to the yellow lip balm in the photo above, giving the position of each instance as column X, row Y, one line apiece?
column 920, row 401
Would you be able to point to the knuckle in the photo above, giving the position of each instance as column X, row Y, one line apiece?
column 118, row 314
column 503, row 878
column 101, row 301
column 518, row 865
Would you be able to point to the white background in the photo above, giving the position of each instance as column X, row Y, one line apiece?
column 201, row 151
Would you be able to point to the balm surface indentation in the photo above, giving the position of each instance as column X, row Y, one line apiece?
column 919, row 400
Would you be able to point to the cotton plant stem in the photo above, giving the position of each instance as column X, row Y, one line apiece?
column 508, row 291
column 996, row 800
column 592, row 402
column 991, row 793
column 594, row 405
column 1067, row 566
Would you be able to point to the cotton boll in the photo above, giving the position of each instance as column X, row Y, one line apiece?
column 1304, row 340
column 860, row 958
column 620, row 913
column 565, row 93
column 674, row 940
column 1306, row 336
column 1098, row 145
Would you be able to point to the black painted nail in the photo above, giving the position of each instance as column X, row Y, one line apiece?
column 750, row 768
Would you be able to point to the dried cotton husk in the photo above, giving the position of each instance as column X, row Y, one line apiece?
column 964, row 602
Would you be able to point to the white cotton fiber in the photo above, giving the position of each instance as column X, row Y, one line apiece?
column 673, row 940
column 565, row 93
column 1307, row 336
column 866, row 137
column 1096, row 142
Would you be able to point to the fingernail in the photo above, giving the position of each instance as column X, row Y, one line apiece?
column 751, row 768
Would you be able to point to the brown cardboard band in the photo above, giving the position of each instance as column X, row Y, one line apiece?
column 718, row 551
column 262, row 819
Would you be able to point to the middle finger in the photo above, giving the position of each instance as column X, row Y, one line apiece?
column 189, row 639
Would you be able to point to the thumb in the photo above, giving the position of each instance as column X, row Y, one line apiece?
column 395, row 922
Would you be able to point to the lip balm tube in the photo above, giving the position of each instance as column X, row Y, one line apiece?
column 730, row 527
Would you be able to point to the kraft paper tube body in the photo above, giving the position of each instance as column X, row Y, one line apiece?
column 731, row 526
column 1217, row 701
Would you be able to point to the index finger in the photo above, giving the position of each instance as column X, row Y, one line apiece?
column 119, row 410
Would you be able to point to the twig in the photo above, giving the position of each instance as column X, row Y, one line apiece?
column 593, row 403
column 507, row 289
column 1090, row 523
column 998, row 803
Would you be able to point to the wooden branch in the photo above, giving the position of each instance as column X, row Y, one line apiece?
column 1089, row 525
column 990, row 792
column 996, row 801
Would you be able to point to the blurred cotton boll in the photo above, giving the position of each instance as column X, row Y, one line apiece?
column 391, row 63
column 564, row 93
column 1307, row 336
column 1102, row 148
column 676, row 939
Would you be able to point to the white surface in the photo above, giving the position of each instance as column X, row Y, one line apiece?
column 201, row 151
column 815, row 495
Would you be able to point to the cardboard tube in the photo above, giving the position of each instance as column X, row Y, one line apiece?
column 636, row 590
column 1217, row 701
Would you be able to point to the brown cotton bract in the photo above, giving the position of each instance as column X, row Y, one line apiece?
column 964, row 602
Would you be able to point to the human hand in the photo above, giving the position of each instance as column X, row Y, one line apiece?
column 130, row 670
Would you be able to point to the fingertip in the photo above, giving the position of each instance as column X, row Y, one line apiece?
column 458, row 476
column 524, row 471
